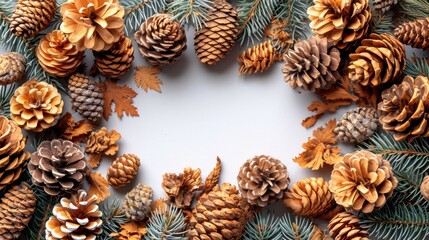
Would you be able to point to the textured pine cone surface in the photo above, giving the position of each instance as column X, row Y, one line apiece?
column 138, row 202
column 12, row 67
column 382, row 6
column 345, row 226
column 123, row 170
column 415, row 33
column 257, row 58
column 357, row 125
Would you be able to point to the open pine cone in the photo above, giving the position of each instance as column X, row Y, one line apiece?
column 357, row 125
column 257, row 58
column 181, row 188
column 415, row 33
column 12, row 67
column 382, row 6
column 345, row 226
column 137, row 203
column 424, row 188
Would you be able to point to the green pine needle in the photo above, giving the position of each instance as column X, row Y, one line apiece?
column 296, row 227
column 413, row 9
column 193, row 12
column 6, row 93
column 382, row 23
column 295, row 13
column 137, row 12
column 113, row 217
column 168, row 224
column 417, row 66
column 263, row 227
column 7, row 6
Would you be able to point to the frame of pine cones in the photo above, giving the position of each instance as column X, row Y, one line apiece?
column 347, row 52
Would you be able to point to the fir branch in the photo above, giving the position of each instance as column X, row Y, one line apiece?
column 7, row 6
column 295, row 13
column 263, row 227
column 382, row 23
column 6, row 93
column 137, row 12
column 113, row 217
column 194, row 12
column 417, row 66
column 413, row 9
column 167, row 224
column 296, row 227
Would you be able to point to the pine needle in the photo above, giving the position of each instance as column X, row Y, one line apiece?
column 417, row 67
column 296, row 227
column 6, row 93
column 193, row 12
column 137, row 12
column 382, row 23
column 295, row 13
column 263, row 227
column 167, row 224
column 113, row 217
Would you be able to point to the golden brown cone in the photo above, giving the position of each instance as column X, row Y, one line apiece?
column 345, row 226
column 257, row 58
column 12, row 67
column 137, row 203
column 181, row 188
column 123, row 170
column 101, row 142
column 415, row 33
column 424, row 188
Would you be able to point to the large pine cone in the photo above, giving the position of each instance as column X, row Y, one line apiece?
column 424, row 188
column 382, row 6
column 12, row 154
column 16, row 210
column 312, row 65
column 257, row 58
column 346, row 226
column 219, row 214
column 123, row 170
column 138, row 202
column 58, row 166
column 379, row 59
column 404, row 109
column 87, row 99
column 57, row 55
column 357, row 125
column 36, row 106
column 76, row 218
column 343, row 22
column 362, row 181
column 215, row 40
column 262, row 180
column 30, row 17
column 12, row 67
column 415, row 33
column 161, row 40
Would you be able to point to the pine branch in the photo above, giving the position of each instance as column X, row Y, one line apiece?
column 263, row 227
column 413, row 9
column 295, row 13
column 137, row 12
column 7, row 6
column 382, row 23
column 417, row 66
column 113, row 217
column 296, row 227
column 167, row 224
column 194, row 12
column 6, row 93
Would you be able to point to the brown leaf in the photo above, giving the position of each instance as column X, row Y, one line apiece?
column 122, row 96
column 147, row 78
column 337, row 93
column 326, row 134
column 94, row 159
column 159, row 204
column 73, row 131
column 130, row 231
column 98, row 186
column 322, row 107
column 213, row 178
column 310, row 121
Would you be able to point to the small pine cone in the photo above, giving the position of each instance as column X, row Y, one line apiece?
column 30, row 17
column 404, row 109
column 379, row 59
column 382, row 6
column 257, row 58
column 12, row 67
column 362, row 181
column 424, row 188
column 357, row 125
column 123, row 170
column 181, row 188
column 415, row 33
column 262, row 180
column 87, row 99
column 215, row 40
column 57, row 55
column 312, row 65
column 138, row 202
column 346, row 226
column 75, row 218
column 116, row 61
column 161, row 40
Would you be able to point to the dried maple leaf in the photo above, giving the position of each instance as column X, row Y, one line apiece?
column 322, row 107
column 122, row 96
column 98, row 186
column 130, row 231
column 147, row 78
column 213, row 178
column 73, row 131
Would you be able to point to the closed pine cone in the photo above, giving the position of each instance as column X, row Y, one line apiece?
column 123, row 170
column 424, row 188
column 36, row 106
column 12, row 154
column 362, row 181
column 16, row 210
column 312, row 65
column 379, row 59
column 262, row 180
column 404, row 109
column 138, row 202
column 382, row 6
column 343, row 22
column 30, row 17
column 257, row 58
column 415, row 33
column 12, row 67
column 215, row 40
column 357, row 125
column 161, row 40
column 346, row 226
column 58, row 166
column 75, row 218
column 116, row 61
column 219, row 214
column 86, row 97
column 57, row 55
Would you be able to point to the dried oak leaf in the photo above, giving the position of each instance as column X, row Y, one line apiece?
column 100, row 143
column 181, row 188
column 73, row 131
column 98, row 186
column 130, row 231
column 213, row 178
column 122, row 96
column 322, row 107
column 147, row 78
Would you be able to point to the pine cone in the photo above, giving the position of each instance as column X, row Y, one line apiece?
column 12, row 155
column 262, row 180
column 16, row 210
column 57, row 55
column 382, row 6
column 181, row 188
column 116, row 61
column 362, row 181
column 343, row 22
column 138, row 202
column 93, row 24
column 58, row 166
column 123, row 170
column 12, row 67
column 257, row 58
column 346, row 226
column 219, row 214
column 76, row 218
column 30, row 17
column 424, row 188
column 161, row 40
column 102, row 141
column 379, row 59
column 415, row 33
column 312, row 65
column 404, row 109
column 357, row 125
column 36, row 106
column 213, row 42
column 86, row 98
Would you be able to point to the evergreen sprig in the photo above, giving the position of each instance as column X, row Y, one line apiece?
column 263, row 227
column 113, row 217
column 7, row 6
column 413, row 9
column 167, row 224
column 382, row 23
column 6, row 93
column 296, row 227
column 137, row 12
column 194, row 12
column 295, row 13
column 417, row 66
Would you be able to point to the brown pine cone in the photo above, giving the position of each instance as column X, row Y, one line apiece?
column 343, row 22
column 257, row 58
column 362, row 181
column 36, row 106
column 312, row 65
column 424, row 188
column 57, row 55
column 123, row 170
column 382, row 6
column 161, row 40
column 12, row 67
column 58, row 166
column 345, row 226
column 262, row 180
column 404, row 109
column 77, row 217
column 137, row 203
column 181, row 188
column 357, row 125
column 104, row 142
column 30, row 17
column 379, row 59
column 415, row 33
